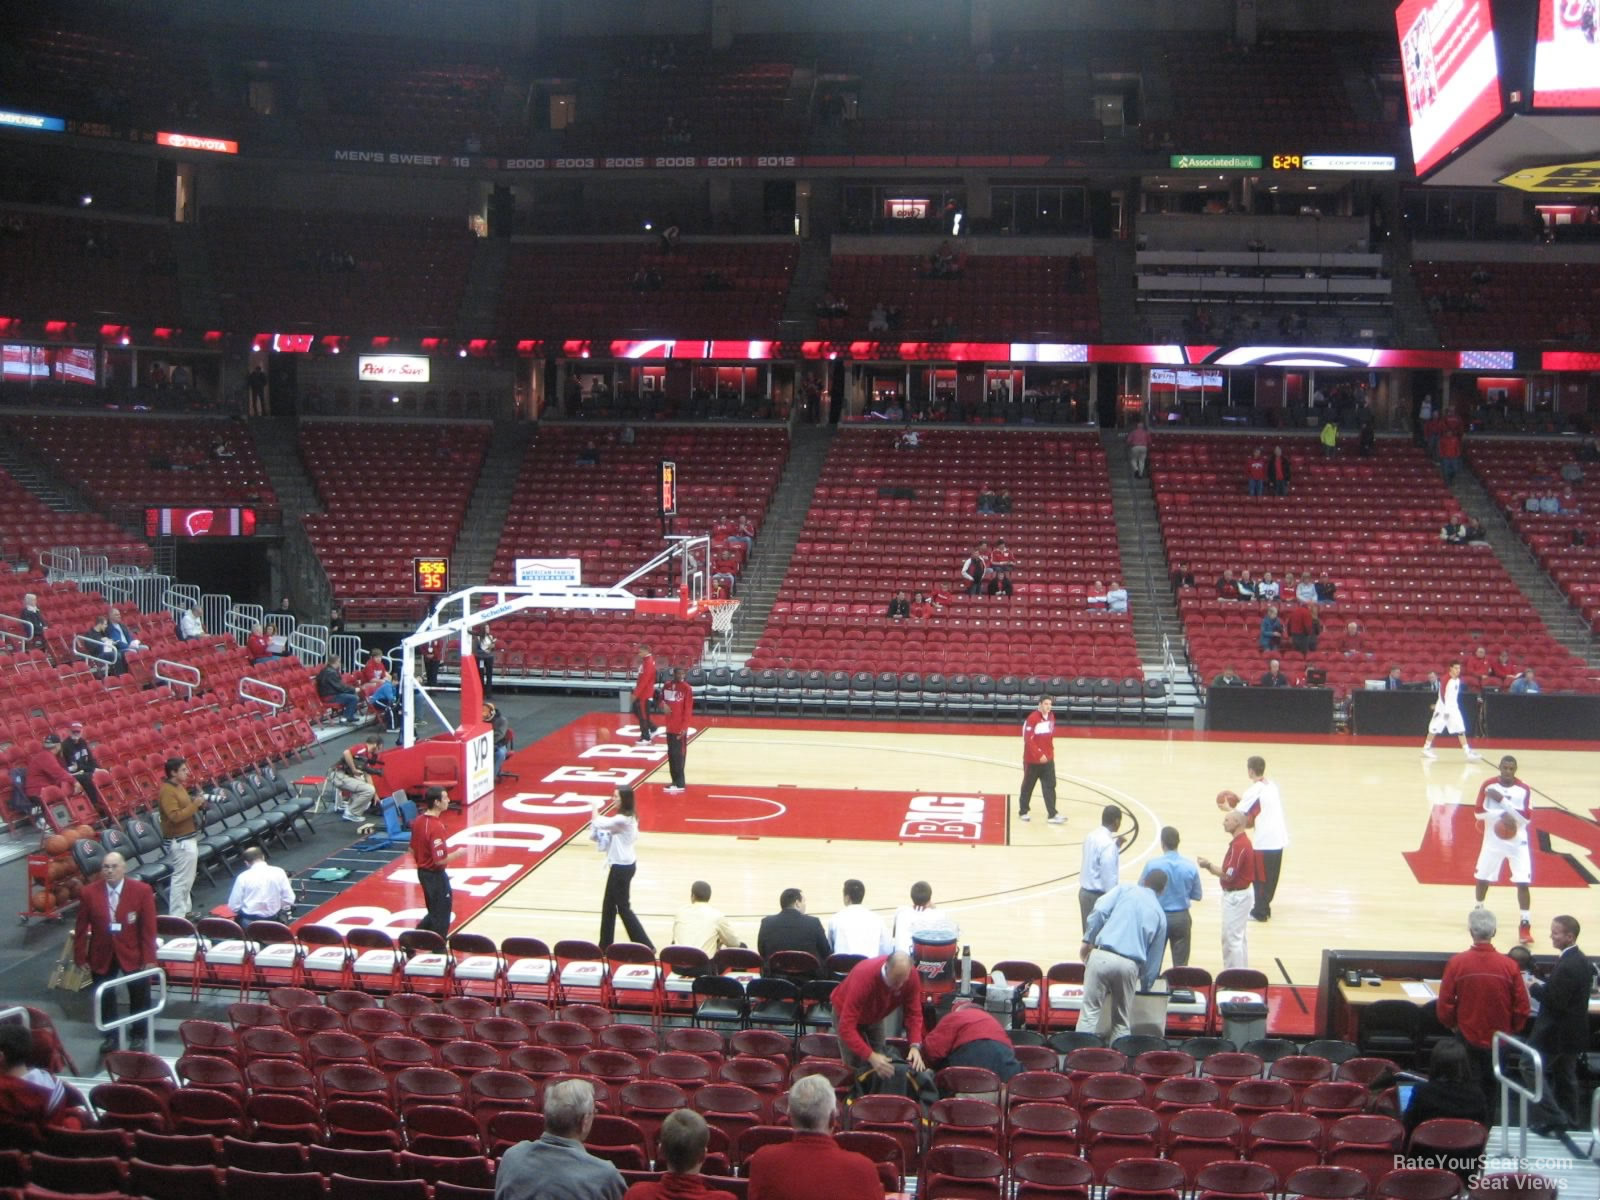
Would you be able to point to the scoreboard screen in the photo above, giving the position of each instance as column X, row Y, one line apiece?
column 668, row 491
column 430, row 576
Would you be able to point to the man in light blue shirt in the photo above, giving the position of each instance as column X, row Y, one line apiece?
column 1525, row 684
column 1183, row 886
column 1122, row 949
column 1101, row 861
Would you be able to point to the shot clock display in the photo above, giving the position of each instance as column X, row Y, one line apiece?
column 1287, row 162
column 430, row 576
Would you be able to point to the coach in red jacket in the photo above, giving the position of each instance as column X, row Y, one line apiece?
column 116, row 935
column 875, row 988
column 1481, row 994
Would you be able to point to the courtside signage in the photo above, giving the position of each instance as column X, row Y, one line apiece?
column 392, row 368
column 12, row 119
column 190, row 141
column 1216, row 162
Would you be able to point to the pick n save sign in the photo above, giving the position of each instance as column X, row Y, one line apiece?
column 393, row 368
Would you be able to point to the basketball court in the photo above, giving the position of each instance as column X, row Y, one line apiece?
column 1382, row 842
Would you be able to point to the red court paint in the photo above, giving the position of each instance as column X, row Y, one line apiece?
column 510, row 833
column 851, row 814
column 1561, row 841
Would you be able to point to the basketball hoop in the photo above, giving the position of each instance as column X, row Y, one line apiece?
column 722, row 612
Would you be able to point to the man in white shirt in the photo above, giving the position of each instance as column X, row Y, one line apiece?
column 1262, row 806
column 700, row 924
column 855, row 928
column 261, row 892
column 1102, row 859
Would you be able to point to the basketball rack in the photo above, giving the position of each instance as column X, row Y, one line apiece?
column 688, row 557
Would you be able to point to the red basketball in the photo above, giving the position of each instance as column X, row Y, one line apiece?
column 55, row 845
column 1506, row 826
column 84, row 831
column 1227, row 800
column 70, row 834
column 41, row 900
column 60, row 869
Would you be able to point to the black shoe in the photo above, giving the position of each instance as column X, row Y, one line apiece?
column 108, row 1044
column 1255, row 916
column 138, row 1042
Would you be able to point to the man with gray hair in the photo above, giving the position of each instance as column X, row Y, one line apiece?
column 1482, row 994
column 812, row 1165
column 557, row 1167
column 1122, row 948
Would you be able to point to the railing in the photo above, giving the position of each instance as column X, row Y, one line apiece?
column 178, row 675
column 147, row 593
column 93, row 651
column 15, row 629
column 214, row 608
column 69, row 564
column 285, row 622
column 180, row 598
column 1533, row 1061
column 241, row 619
column 259, row 691
column 346, row 647
column 309, row 643
column 158, row 1001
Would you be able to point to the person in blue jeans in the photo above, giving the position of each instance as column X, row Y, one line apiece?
column 332, row 688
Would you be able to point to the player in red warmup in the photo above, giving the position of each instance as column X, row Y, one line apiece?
column 1505, row 809
column 1039, row 760
column 678, row 696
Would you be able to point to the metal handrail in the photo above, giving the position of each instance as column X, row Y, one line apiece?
column 259, row 691
column 1508, row 1085
column 164, row 669
column 148, row 1016
column 17, row 1011
column 92, row 650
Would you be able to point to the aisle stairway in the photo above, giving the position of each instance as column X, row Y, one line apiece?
column 763, row 573
column 491, row 500
column 303, row 576
column 1157, row 631
column 1563, row 621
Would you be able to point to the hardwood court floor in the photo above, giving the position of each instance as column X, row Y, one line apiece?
column 1354, row 811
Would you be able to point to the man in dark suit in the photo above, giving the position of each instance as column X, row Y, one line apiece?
column 1561, row 1030
column 791, row 929
column 116, row 935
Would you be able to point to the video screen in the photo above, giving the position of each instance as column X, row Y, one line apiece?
column 1566, row 58
column 70, row 364
column 199, row 522
column 1452, row 74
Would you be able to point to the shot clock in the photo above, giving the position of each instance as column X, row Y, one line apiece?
column 430, row 576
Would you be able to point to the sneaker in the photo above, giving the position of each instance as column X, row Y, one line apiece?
column 1525, row 933
column 348, row 817
column 1474, row 756
column 1426, row 753
column 1024, row 817
column 674, row 791
column 1058, row 819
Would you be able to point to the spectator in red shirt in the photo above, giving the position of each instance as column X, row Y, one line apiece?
column 1482, row 993
column 430, row 852
column 256, row 645
column 812, row 1165
column 45, row 769
column 1449, row 453
column 376, row 669
column 1303, row 627
column 644, row 691
column 682, row 1141
column 1039, row 760
column 678, row 696
column 969, row 1036
column 875, row 988
column 1256, row 472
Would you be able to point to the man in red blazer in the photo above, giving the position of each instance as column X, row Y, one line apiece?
column 115, row 935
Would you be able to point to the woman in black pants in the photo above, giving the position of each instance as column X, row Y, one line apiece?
column 617, row 837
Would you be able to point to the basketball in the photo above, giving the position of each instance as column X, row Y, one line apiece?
column 41, row 900
column 60, row 869
column 1506, row 826
column 1227, row 800
column 55, row 845
column 61, row 896
column 84, row 831
column 70, row 834
column 74, row 886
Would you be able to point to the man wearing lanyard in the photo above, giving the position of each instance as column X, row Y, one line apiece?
column 116, row 935
column 1101, row 861
column 1183, row 886
column 1122, row 948
column 1240, row 872
column 429, row 851
column 180, row 829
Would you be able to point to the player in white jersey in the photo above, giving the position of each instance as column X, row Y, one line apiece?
column 1504, row 802
column 1447, row 716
